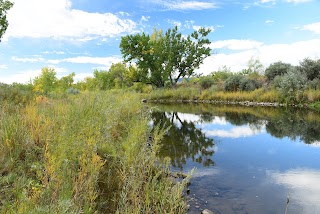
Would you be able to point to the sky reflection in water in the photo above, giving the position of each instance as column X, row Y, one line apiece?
column 251, row 171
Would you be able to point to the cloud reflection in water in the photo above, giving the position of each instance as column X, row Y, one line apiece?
column 303, row 186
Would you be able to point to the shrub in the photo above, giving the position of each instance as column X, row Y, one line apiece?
column 206, row 82
column 233, row 82
column 291, row 85
column 311, row 68
column 277, row 69
column 247, row 84
column 73, row 91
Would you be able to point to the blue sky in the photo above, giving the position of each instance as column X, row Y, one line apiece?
column 81, row 35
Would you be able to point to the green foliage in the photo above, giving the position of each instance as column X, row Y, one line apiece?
column 65, row 82
column 46, row 82
column 314, row 84
column 221, row 75
column 5, row 5
column 79, row 155
column 291, row 85
column 16, row 93
column 166, row 57
column 118, row 76
column 233, row 82
column 181, row 93
column 206, row 82
column 277, row 69
column 73, row 91
column 315, row 106
column 311, row 68
column 248, row 84
column 141, row 87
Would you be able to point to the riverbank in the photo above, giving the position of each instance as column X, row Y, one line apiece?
column 259, row 97
column 78, row 154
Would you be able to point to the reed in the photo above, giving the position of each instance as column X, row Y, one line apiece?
column 85, row 153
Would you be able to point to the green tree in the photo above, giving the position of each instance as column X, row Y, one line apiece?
column 118, row 75
column 5, row 5
column 311, row 68
column 46, row 82
column 183, row 140
column 277, row 69
column 65, row 82
column 166, row 57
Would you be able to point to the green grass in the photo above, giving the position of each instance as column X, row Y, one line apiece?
column 315, row 106
column 84, row 153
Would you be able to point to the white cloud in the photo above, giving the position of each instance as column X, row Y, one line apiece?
column 314, row 27
column 235, row 44
column 124, row 13
column 3, row 66
column 188, row 24
column 31, row 60
column 54, row 52
column 269, row 21
column 237, row 132
column 145, row 18
column 82, row 76
column 174, row 22
column 303, row 185
column 106, row 61
column 56, row 19
column 289, row 53
column 197, row 27
column 185, row 5
column 21, row 76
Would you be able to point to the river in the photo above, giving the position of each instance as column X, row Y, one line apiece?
column 247, row 159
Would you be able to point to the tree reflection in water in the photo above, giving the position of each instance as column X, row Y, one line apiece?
column 183, row 140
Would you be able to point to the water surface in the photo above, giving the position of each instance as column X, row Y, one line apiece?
column 247, row 159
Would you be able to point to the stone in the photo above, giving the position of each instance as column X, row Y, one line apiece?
column 206, row 211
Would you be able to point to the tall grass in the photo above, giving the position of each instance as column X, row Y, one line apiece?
column 84, row 154
column 258, row 95
column 181, row 93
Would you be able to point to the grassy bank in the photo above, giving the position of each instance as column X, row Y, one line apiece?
column 83, row 154
column 258, row 95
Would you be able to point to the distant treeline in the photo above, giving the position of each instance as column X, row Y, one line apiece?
column 285, row 82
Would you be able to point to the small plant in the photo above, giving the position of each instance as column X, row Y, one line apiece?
column 73, row 91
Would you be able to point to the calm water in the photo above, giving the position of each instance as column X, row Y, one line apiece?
column 247, row 160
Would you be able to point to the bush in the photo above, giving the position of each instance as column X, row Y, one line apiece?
column 233, row 83
column 73, row 91
column 206, row 82
column 16, row 93
column 247, row 84
column 311, row 68
column 141, row 87
column 291, row 85
column 277, row 69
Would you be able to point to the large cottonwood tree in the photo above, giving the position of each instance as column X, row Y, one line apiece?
column 5, row 5
column 166, row 57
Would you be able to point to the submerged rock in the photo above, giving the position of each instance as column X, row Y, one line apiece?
column 206, row 211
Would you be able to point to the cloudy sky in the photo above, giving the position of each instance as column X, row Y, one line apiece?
column 82, row 35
